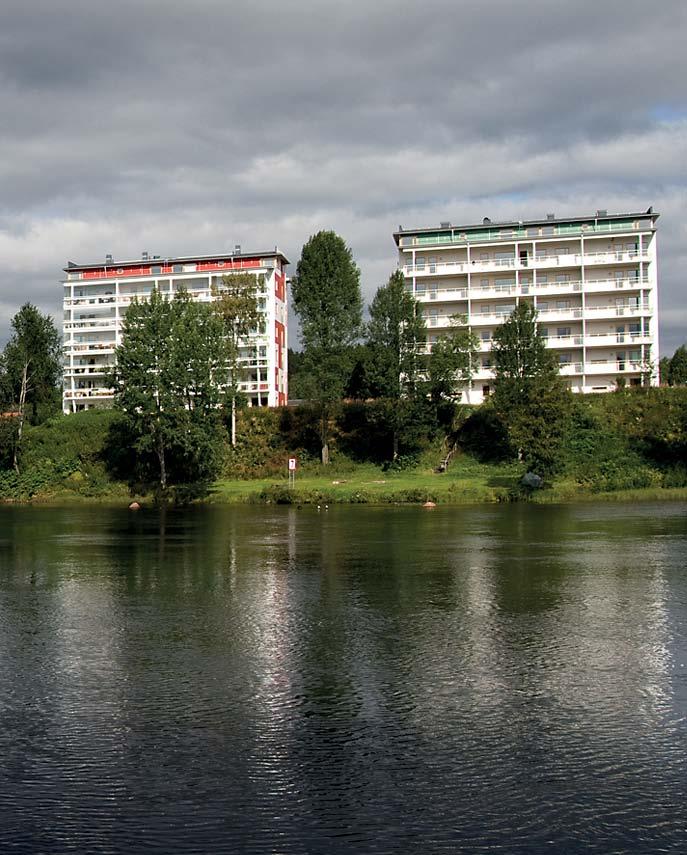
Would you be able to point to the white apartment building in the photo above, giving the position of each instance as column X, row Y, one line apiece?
column 592, row 280
column 97, row 295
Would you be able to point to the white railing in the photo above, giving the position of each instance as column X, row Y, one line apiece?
column 80, row 325
column 91, row 301
column 603, row 366
column 88, row 393
column 441, row 294
column 541, row 260
column 612, row 338
column 564, row 340
column 90, row 371
column 107, row 346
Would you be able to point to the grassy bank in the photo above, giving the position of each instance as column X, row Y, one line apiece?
column 621, row 447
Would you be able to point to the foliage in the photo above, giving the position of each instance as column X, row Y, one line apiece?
column 451, row 361
column 327, row 300
column 529, row 396
column 236, row 304
column 395, row 333
column 484, row 435
column 171, row 368
column 31, row 367
column 65, row 453
column 677, row 369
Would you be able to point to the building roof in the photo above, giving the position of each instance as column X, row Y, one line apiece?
column 549, row 220
column 155, row 260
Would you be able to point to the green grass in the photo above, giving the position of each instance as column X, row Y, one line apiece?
column 467, row 481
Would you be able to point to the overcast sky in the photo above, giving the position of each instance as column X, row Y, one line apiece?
column 188, row 127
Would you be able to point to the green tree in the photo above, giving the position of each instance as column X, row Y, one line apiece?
column 530, row 397
column 451, row 362
column 664, row 370
column 168, row 380
column 327, row 300
column 236, row 304
column 395, row 332
column 31, row 368
column 677, row 373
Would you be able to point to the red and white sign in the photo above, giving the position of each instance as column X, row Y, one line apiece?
column 292, row 464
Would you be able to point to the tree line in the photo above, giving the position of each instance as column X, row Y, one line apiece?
column 180, row 364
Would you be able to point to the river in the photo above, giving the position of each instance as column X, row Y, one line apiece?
column 386, row 680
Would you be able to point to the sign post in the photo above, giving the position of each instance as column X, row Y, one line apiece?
column 292, row 471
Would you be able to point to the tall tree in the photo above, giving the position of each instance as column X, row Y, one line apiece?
column 31, row 366
column 169, row 374
column 236, row 303
column 395, row 332
column 327, row 300
column 529, row 395
column 677, row 372
column 452, row 361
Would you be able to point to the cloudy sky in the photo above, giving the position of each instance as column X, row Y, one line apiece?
column 187, row 127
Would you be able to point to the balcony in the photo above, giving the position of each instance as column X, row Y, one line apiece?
column 565, row 369
column 440, row 294
column 629, row 283
column 91, row 324
column 541, row 261
column 89, row 393
column 556, row 313
column 91, row 301
column 615, row 366
column 612, row 339
column 87, row 371
column 90, row 347
column 564, row 340
column 614, row 310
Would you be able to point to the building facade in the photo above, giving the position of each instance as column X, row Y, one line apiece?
column 96, row 297
column 592, row 280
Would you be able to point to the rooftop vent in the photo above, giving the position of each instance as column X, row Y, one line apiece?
column 400, row 227
column 550, row 217
column 144, row 255
column 486, row 221
column 445, row 224
column 156, row 258
column 602, row 212
column 650, row 209
column 237, row 249
column 108, row 259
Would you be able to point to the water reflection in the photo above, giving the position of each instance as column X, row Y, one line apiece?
column 260, row 680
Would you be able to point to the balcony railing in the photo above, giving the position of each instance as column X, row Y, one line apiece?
column 540, row 261
column 90, row 324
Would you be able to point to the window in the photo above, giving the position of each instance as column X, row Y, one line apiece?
column 562, row 304
column 486, row 362
column 562, row 277
column 176, row 268
column 564, row 358
column 544, row 332
column 484, row 283
column 486, row 391
column 562, row 332
column 486, row 335
column 542, row 278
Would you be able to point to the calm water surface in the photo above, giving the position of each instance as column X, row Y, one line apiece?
column 251, row 680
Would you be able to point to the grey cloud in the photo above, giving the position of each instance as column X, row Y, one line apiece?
column 179, row 127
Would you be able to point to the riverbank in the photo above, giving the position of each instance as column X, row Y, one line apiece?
column 467, row 482
column 620, row 447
